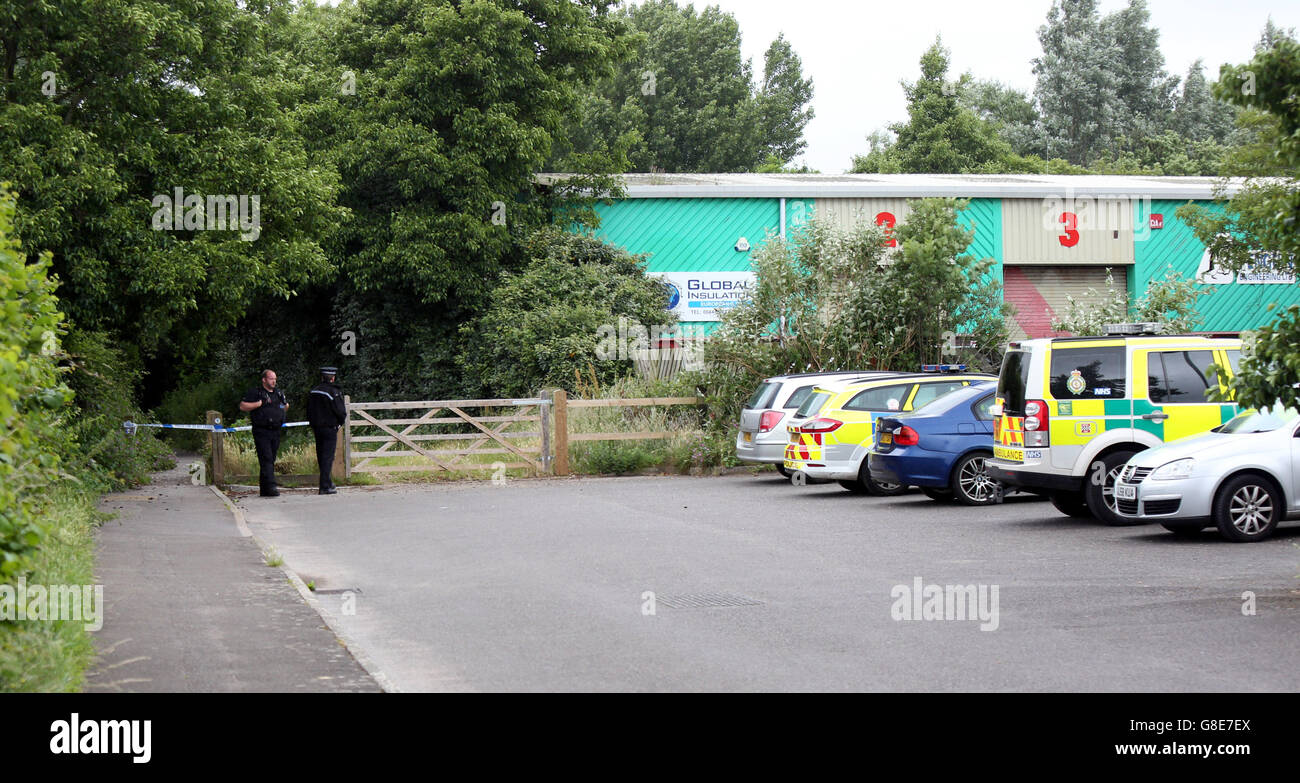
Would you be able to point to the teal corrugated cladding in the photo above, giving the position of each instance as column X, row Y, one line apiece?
column 1231, row 307
column 689, row 234
column 984, row 215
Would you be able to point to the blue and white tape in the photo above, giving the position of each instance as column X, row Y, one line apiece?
column 131, row 426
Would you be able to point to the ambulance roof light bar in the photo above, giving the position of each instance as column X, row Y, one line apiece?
column 1141, row 327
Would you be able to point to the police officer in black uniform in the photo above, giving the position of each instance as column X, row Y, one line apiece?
column 326, row 413
column 266, row 407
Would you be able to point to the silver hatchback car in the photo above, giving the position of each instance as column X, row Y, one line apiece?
column 762, row 436
column 1242, row 477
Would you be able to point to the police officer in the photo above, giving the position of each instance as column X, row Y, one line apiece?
column 326, row 413
column 266, row 407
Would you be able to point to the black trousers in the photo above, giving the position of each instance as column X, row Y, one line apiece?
column 326, row 438
column 267, row 442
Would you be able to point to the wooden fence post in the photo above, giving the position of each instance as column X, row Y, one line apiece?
column 561, row 433
column 217, row 447
column 346, row 440
column 543, row 413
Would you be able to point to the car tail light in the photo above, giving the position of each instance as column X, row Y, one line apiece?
column 906, row 436
column 821, row 425
column 1036, row 429
column 770, row 420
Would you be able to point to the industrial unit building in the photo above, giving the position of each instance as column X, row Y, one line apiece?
column 1049, row 236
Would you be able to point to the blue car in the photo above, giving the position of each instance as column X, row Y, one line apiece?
column 941, row 447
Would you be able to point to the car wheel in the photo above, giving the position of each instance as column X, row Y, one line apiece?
column 1099, row 492
column 1071, row 504
column 943, row 495
column 1183, row 531
column 971, row 485
column 1247, row 508
column 886, row 489
column 784, row 471
column 852, row 486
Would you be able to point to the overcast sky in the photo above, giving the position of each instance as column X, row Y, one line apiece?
column 856, row 51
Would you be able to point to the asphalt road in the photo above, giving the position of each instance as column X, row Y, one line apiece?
column 541, row 585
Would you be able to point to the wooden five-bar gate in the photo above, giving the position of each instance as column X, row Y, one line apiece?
column 410, row 435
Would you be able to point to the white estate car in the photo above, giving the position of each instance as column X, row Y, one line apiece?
column 1243, row 477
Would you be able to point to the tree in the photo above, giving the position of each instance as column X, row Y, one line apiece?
column 686, row 100
column 1077, row 86
column 560, row 314
column 1260, row 225
column 783, row 102
column 830, row 298
column 1009, row 111
column 941, row 135
column 107, row 106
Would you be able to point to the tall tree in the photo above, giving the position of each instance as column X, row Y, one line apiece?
column 941, row 135
column 784, row 102
column 686, row 101
column 1077, row 82
column 105, row 106
column 1260, row 226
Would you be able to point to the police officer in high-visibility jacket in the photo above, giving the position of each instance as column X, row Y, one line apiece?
column 266, row 407
column 326, row 413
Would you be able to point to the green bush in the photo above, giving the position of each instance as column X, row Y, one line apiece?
column 31, row 396
column 105, row 379
column 551, row 322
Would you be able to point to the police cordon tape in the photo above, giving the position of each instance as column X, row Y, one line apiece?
column 131, row 426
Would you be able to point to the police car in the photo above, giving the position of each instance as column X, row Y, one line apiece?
column 836, row 436
column 1070, row 411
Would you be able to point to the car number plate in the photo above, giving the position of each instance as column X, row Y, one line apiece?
column 1011, row 455
column 749, row 437
column 886, row 438
column 1126, row 492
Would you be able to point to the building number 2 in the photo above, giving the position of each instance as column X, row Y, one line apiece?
column 1071, row 236
column 887, row 220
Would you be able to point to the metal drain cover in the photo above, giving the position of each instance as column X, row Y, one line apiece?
column 705, row 600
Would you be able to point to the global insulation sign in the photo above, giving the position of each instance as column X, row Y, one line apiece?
column 705, row 296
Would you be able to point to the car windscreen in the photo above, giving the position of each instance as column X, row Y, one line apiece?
column 762, row 396
column 797, row 399
column 813, row 404
column 1012, row 380
column 1261, row 420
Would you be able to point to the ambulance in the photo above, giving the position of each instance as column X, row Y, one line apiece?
column 1070, row 411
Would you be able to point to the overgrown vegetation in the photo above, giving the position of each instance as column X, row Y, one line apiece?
column 834, row 298
column 55, row 459
column 1170, row 301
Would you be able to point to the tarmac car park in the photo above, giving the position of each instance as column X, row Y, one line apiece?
column 1071, row 411
column 834, row 443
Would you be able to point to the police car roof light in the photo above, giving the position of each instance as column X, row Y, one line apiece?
column 942, row 367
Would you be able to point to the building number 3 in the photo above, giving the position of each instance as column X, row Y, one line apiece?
column 1071, row 236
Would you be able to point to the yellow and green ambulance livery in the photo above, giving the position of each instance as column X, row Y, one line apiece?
column 835, row 427
column 1074, row 409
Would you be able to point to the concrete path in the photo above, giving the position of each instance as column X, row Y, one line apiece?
column 191, row 605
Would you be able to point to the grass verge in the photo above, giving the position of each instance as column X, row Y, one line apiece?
column 48, row 655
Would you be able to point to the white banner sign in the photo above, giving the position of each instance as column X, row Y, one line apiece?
column 704, row 296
